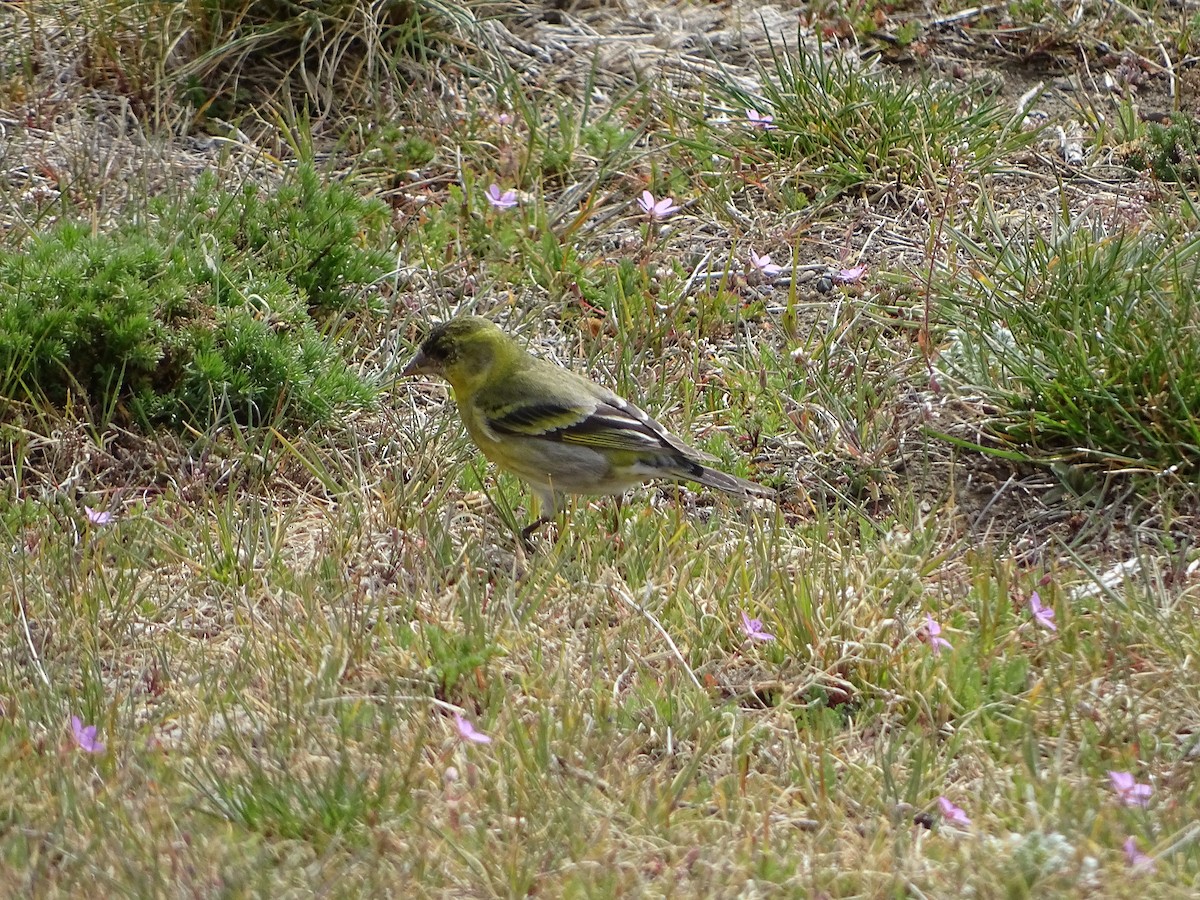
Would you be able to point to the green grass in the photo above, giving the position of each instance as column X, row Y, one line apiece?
column 322, row 740
column 1088, row 341
column 273, row 634
column 837, row 126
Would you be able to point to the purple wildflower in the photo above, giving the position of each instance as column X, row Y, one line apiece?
column 753, row 629
column 852, row 275
column 85, row 736
column 764, row 265
column 657, row 210
column 952, row 813
column 765, row 121
column 98, row 517
column 1131, row 792
column 467, row 731
column 931, row 633
column 506, row 200
column 1043, row 615
column 1134, row 857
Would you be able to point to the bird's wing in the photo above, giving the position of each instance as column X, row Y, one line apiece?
column 590, row 416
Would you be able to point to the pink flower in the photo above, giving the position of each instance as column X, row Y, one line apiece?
column 849, row 276
column 98, row 517
column 507, row 200
column 1134, row 857
column 504, row 118
column 763, row 264
column 1130, row 791
column 467, row 731
column 753, row 629
column 85, row 736
column 765, row 121
column 952, row 813
column 657, row 210
column 1043, row 615
column 932, row 634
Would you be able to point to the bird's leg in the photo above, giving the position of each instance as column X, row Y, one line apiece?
column 548, row 508
column 528, row 530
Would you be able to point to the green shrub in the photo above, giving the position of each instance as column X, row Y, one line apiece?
column 209, row 307
column 1171, row 151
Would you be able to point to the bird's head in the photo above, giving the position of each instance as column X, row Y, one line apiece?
column 463, row 351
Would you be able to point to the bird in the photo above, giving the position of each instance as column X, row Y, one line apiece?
column 557, row 431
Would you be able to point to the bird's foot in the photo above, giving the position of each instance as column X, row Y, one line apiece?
column 528, row 530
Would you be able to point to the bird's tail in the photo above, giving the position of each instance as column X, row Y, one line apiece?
column 730, row 484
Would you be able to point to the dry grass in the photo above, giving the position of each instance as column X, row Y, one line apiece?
column 275, row 630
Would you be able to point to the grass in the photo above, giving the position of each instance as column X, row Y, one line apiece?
column 839, row 126
column 1088, row 340
column 276, row 628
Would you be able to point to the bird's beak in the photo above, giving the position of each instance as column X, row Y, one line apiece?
column 418, row 365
